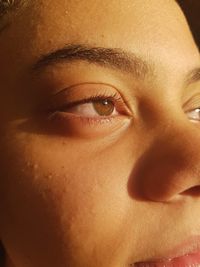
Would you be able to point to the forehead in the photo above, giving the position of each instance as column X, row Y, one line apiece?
column 96, row 14
column 95, row 17
column 102, row 20
column 134, row 25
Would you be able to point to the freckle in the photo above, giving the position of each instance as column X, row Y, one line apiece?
column 36, row 177
column 43, row 195
column 49, row 176
column 35, row 166
column 28, row 163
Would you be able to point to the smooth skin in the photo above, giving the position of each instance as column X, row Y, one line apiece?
column 78, row 189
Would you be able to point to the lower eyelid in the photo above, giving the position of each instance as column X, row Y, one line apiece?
column 75, row 125
column 61, row 116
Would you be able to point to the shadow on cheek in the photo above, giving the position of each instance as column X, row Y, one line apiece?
column 40, row 125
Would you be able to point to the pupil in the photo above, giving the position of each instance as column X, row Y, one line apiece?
column 104, row 107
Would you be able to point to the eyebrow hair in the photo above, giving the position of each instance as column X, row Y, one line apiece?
column 5, row 5
column 114, row 58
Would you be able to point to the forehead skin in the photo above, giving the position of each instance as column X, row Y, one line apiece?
column 70, row 21
column 76, row 209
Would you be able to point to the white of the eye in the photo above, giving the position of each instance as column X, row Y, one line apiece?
column 87, row 110
column 194, row 114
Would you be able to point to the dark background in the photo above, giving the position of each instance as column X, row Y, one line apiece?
column 191, row 9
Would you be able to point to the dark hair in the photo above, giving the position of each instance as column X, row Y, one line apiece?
column 6, row 5
column 191, row 8
column 2, row 256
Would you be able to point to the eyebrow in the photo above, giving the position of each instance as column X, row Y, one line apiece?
column 114, row 58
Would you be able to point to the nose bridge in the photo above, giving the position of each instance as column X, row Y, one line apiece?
column 171, row 165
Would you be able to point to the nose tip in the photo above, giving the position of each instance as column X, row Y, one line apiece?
column 170, row 167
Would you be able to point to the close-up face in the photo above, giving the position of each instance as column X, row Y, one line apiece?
column 99, row 134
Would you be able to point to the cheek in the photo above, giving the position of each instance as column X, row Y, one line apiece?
column 63, row 195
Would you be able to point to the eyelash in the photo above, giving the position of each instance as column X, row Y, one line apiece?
column 115, row 98
column 98, row 97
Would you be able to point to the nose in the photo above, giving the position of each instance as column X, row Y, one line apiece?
column 170, row 167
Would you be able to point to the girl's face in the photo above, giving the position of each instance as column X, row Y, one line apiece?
column 100, row 133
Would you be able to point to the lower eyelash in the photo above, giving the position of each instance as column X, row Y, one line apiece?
column 58, row 116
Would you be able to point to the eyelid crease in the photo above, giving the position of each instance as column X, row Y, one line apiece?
column 115, row 98
column 193, row 76
column 107, row 91
column 193, row 102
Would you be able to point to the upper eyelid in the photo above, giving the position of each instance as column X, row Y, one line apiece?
column 94, row 98
column 68, row 90
column 193, row 100
column 120, row 106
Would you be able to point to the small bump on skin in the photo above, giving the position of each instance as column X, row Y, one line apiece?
column 35, row 166
column 28, row 163
column 49, row 176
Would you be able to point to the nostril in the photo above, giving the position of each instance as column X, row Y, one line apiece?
column 193, row 191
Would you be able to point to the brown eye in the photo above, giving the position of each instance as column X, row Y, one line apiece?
column 104, row 107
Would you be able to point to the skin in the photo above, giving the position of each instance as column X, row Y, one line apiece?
column 78, row 194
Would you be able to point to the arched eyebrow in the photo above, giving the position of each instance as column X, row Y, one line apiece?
column 114, row 58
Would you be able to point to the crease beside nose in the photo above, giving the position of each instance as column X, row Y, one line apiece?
column 171, row 165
